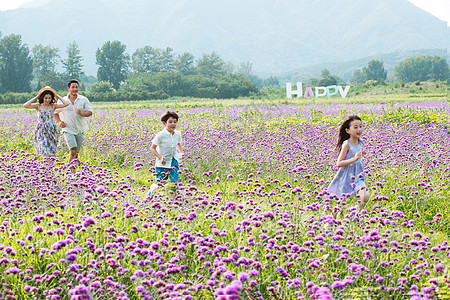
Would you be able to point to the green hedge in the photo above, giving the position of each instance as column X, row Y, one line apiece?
column 16, row 98
column 161, row 86
column 21, row 98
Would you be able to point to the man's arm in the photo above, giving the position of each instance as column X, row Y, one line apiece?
column 58, row 120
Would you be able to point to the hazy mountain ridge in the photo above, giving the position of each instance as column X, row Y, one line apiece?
column 344, row 70
column 275, row 36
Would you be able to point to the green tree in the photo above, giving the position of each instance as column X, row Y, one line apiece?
column 45, row 59
column 113, row 63
column 101, row 87
column 422, row 68
column 184, row 63
column 166, row 60
column 439, row 69
column 272, row 81
column 210, row 65
column 72, row 65
column 16, row 64
column 54, row 79
column 153, row 60
column 357, row 77
column 374, row 71
column 140, row 60
column 327, row 78
column 245, row 68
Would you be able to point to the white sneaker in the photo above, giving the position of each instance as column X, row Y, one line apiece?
column 151, row 191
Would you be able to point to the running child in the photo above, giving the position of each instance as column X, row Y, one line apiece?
column 350, row 178
column 166, row 146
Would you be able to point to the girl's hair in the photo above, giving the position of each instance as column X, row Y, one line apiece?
column 343, row 135
column 41, row 97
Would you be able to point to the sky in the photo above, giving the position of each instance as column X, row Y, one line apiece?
column 438, row 8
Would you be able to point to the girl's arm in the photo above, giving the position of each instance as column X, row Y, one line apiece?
column 31, row 105
column 59, row 105
column 341, row 161
column 155, row 153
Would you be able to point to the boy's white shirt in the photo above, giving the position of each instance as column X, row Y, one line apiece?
column 167, row 147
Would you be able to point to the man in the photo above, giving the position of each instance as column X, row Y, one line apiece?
column 72, row 119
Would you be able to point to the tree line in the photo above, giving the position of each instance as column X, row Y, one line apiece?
column 213, row 77
column 151, row 73
column 421, row 68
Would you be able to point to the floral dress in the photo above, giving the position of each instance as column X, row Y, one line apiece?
column 46, row 134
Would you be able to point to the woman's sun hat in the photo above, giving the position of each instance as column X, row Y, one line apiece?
column 47, row 88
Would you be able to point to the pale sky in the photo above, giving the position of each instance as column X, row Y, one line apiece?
column 438, row 8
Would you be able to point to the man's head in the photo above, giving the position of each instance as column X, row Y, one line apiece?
column 72, row 86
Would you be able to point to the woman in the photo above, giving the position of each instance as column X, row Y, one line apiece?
column 46, row 133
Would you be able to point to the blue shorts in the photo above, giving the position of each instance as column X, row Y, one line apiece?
column 162, row 174
column 74, row 140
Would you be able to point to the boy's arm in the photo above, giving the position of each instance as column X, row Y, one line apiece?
column 179, row 149
column 155, row 153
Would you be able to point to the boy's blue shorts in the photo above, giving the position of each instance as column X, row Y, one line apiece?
column 162, row 174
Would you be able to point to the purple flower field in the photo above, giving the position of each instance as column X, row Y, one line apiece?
column 251, row 218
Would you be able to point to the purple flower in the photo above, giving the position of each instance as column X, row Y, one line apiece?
column 243, row 277
column 71, row 258
column 100, row 189
column 13, row 270
column 324, row 293
column 80, row 292
column 337, row 285
column 88, row 221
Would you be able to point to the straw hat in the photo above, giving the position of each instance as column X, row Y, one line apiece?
column 47, row 88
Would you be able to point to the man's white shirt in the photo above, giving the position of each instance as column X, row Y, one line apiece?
column 75, row 124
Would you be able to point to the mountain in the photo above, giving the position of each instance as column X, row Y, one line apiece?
column 344, row 70
column 276, row 36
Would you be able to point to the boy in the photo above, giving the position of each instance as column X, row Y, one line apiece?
column 166, row 146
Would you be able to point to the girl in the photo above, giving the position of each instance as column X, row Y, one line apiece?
column 46, row 133
column 350, row 178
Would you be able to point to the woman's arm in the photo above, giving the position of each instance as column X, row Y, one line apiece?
column 341, row 161
column 61, row 105
column 30, row 105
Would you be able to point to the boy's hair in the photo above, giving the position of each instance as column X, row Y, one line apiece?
column 72, row 81
column 343, row 135
column 169, row 114
column 41, row 97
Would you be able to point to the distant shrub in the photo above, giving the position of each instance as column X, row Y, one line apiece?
column 16, row 98
column 101, row 87
column 371, row 83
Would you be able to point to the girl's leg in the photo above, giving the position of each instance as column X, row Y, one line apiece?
column 363, row 197
column 48, row 161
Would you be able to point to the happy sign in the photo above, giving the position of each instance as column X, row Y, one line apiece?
column 319, row 91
